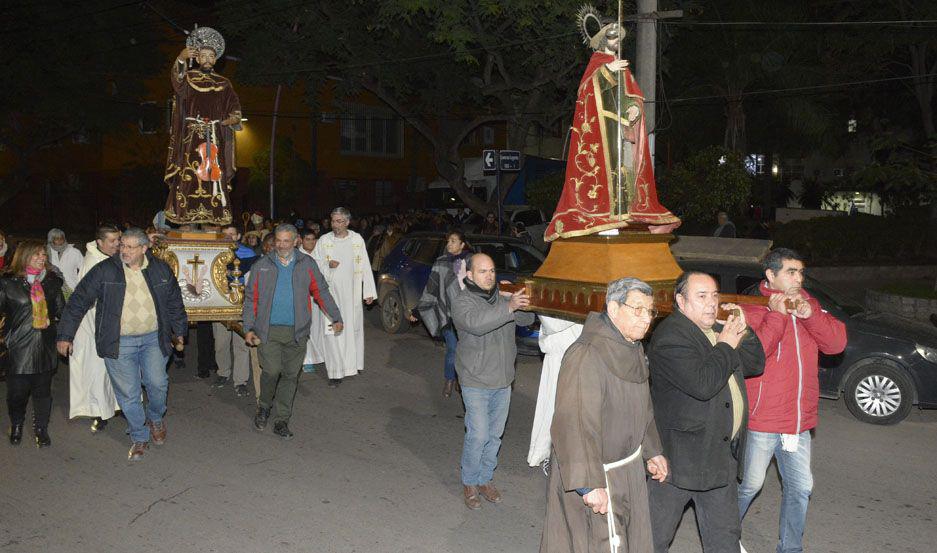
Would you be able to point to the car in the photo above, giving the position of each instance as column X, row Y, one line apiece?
column 406, row 269
column 889, row 364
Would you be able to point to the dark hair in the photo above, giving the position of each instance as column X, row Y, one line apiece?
column 104, row 230
column 775, row 259
column 679, row 289
column 25, row 250
column 456, row 232
column 231, row 225
column 306, row 232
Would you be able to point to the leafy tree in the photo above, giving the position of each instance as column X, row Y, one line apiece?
column 291, row 174
column 710, row 181
column 544, row 193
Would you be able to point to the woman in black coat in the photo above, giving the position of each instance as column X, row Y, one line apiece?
column 31, row 301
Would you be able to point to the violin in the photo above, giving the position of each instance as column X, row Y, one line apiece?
column 209, row 169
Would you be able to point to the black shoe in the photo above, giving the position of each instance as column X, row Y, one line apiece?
column 241, row 390
column 282, row 430
column 98, row 424
column 16, row 434
column 202, row 374
column 42, row 437
column 334, row 382
column 221, row 382
column 260, row 419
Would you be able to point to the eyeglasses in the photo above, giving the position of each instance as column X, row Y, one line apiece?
column 640, row 310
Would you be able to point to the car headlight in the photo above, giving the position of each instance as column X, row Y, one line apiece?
column 927, row 353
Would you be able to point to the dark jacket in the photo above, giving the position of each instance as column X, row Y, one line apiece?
column 693, row 404
column 105, row 286
column 435, row 305
column 308, row 286
column 30, row 351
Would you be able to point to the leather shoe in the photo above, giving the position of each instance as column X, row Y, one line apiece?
column 282, row 430
column 42, row 437
column 490, row 492
column 137, row 450
column 447, row 388
column 157, row 432
column 471, row 497
column 260, row 419
column 16, row 434
column 98, row 424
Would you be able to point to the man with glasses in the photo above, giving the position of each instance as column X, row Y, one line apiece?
column 604, row 436
column 697, row 368
column 485, row 356
column 139, row 317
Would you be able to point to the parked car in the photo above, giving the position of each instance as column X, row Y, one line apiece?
column 889, row 364
column 406, row 269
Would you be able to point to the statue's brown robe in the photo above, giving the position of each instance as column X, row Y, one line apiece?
column 603, row 413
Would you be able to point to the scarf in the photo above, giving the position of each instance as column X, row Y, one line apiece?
column 491, row 296
column 37, row 297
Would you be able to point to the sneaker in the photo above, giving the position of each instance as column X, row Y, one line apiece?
column 241, row 390
column 545, row 466
column 157, row 432
column 309, row 368
column 260, row 419
column 334, row 382
column 98, row 424
column 137, row 450
column 282, row 430
column 221, row 382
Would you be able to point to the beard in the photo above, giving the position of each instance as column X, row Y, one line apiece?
column 206, row 67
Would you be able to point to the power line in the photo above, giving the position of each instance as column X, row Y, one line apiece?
column 901, row 22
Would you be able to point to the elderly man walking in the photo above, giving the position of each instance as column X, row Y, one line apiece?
column 66, row 259
column 697, row 369
column 485, row 358
column 139, row 316
column 604, row 433
column 278, row 303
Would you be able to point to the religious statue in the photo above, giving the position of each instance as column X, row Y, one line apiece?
column 609, row 171
column 205, row 114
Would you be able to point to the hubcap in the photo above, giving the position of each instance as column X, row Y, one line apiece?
column 391, row 316
column 878, row 396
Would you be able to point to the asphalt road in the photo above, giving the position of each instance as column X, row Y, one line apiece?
column 374, row 468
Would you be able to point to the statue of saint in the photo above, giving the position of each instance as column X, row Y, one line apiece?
column 205, row 114
column 609, row 172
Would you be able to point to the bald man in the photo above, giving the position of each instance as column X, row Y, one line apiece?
column 484, row 320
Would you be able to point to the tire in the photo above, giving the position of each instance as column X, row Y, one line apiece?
column 393, row 314
column 879, row 394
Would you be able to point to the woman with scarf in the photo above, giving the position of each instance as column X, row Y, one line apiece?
column 445, row 282
column 31, row 300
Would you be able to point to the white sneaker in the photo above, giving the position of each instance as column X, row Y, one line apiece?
column 742, row 548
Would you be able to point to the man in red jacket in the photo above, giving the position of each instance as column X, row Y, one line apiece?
column 782, row 402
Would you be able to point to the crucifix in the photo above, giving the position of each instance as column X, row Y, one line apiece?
column 194, row 278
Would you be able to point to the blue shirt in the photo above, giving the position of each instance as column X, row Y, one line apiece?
column 281, row 313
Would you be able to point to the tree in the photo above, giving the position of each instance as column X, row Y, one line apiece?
column 73, row 68
column 710, row 181
column 479, row 62
column 291, row 174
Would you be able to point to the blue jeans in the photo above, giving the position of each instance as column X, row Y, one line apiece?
column 796, row 483
column 140, row 362
column 449, row 335
column 486, row 411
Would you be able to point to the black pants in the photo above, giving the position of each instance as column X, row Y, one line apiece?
column 717, row 515
column 206, row 348
column 19, row 389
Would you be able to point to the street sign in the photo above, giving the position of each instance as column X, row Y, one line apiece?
column 510, row 160
column 490, row 160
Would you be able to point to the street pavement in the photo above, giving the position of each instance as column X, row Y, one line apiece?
column 374, row 467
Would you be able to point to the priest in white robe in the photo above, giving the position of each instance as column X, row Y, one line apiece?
column 90, row 391
column 315, row 346
column 343, row 259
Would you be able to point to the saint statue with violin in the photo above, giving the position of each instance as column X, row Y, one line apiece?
column 205, row 114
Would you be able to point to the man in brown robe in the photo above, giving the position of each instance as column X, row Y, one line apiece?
column 206, row 112
column 604, row 433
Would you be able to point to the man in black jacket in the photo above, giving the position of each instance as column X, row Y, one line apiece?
column 139, row 317
column 697, row 367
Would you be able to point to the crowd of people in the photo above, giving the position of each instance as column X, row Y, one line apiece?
column 628, row 438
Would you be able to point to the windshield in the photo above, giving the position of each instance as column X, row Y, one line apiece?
column 832, row 297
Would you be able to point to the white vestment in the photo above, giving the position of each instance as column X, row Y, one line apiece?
column 90, row 391
column 349, row 283
column 556, row 335
column 70, row 263
column 315, row 345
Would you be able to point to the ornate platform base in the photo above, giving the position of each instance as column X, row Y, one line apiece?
column 200, row 262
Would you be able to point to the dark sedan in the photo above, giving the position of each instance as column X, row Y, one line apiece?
column 890, row 363
column 406, row 269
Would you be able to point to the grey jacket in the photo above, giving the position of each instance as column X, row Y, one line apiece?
column 486, row 351
column 309, row 286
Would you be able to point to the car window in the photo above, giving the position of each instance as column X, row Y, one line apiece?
column 523, row 260
column 830, row 297
column 410, row 247
column 509, row 257
column 426, row 251
column 529, row 217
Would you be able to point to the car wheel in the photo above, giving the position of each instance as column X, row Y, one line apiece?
column 879, row 394
column 393, row 316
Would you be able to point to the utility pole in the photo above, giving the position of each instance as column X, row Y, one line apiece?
column 645, row 63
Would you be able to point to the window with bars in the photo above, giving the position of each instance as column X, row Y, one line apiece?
column 372, row 135
column 383, row 193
